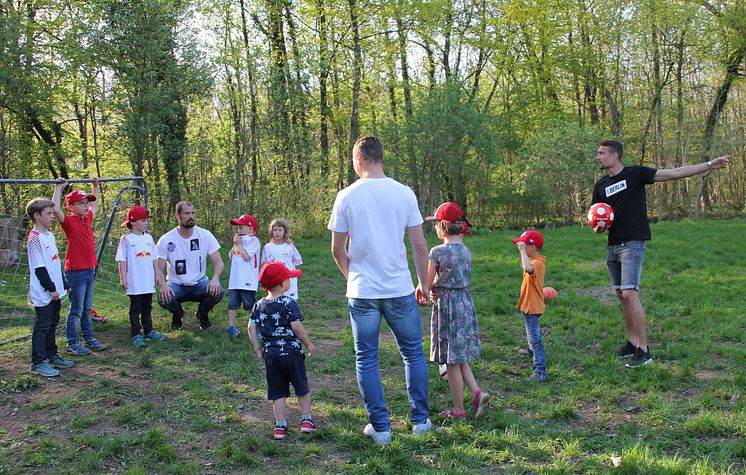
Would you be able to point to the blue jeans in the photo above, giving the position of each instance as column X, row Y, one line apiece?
column 403, row 318
column 81, row 302
column 192, row 293
column 533, row 336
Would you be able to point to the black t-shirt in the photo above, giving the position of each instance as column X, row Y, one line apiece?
column 625, row 193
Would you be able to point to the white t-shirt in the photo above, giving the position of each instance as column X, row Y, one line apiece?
column 187, row 258
column 245, row 274
column 375, row 212
column 42, row 252
column 288, row 255
column 139, row 254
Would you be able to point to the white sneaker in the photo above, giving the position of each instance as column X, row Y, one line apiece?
column 380, row 438
column 419, row 429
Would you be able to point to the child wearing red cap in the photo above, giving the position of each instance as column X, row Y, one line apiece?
column 280, row 248
column 531, row 301
column 277, row 319
column 80, row 264
column 135, row 259
column 244, row 275
column 454, row 330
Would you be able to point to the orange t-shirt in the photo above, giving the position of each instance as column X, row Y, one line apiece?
column 532, row 288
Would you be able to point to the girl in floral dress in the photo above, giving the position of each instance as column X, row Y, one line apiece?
column 454, row 328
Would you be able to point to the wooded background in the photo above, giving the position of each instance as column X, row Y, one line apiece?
column 252, row 106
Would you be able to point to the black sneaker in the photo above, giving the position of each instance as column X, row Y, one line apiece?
column 627, row 349
column 176, row 320
column 204, row 322
column 641, row 358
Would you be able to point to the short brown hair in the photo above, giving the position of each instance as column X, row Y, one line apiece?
column 370, row 148
column 615, row 146
column 37, row 205
column 181, row 205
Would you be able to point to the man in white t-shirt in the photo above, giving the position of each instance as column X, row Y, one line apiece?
column 371, row 216
column 185, row 250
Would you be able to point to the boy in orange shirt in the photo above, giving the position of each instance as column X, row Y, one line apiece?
column 531, row 301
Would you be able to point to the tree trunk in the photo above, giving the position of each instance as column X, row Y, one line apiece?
column 356, row 80
column 721, row 98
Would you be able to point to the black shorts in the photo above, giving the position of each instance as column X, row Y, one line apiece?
column 283, row 371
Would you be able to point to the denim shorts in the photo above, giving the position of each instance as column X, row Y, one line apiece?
column 282, row 371
column 625, row 264
column 239, row 297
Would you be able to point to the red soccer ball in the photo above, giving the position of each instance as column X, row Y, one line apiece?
column 550, row 293
column 600, row 213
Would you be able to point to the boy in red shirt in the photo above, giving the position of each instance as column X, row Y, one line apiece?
column 80, row 264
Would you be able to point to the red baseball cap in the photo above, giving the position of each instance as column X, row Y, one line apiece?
column 531, row 237
column 245, row 220
column 452, row 213
column 136, row 213
column 274, row 273
column 78, row 195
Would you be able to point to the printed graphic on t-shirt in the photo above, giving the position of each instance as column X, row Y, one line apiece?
column 194, row 244
column 180, row 267
column 616, row 188
column 171, row 247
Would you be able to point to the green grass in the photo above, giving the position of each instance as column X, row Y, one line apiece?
column 196, row 403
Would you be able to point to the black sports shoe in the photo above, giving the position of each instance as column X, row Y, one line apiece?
column 204, row 323
column 627, row 349
column 176, row 320
column 641, row 358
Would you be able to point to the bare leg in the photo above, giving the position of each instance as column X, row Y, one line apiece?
column 278, row 405
column 232, row 317
column 629, row 320
column 305, row 404
column 634, row 312
column 456, row 385
column 469, row 379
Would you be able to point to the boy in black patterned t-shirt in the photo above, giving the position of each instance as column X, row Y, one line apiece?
column 277, row 319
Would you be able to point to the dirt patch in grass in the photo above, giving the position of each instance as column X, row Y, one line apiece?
column 604, row 295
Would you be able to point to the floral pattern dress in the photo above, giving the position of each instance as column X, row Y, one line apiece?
column 454, row 330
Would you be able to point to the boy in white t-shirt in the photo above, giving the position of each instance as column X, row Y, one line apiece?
column 46, row 289
column 281, row 249
column 244, row 276
column 136, row 258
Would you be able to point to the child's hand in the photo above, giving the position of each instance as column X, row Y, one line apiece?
column 237, row 239
column 433, row 295
column 311, row 349
column 259, row 354
column 123, row 284
column 60, row 183
column 55, row 295
column 521, row 245
column 600, row 227
column 95, row 182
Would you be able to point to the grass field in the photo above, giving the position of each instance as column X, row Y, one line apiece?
column 196, row 403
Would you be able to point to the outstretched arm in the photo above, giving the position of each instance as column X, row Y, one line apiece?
column 96, row 189
column 666, row 174
column 56, row 200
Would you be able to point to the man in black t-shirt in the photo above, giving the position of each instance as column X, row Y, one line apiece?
column 623, row 188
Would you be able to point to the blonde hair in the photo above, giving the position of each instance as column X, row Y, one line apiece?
column 283, row 223
column 444, row 228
